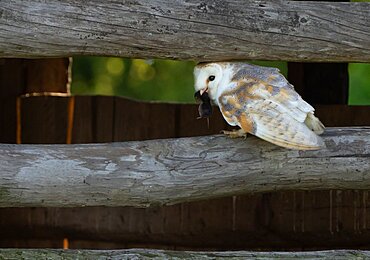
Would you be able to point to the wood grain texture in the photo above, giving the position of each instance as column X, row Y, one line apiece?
column 106, row 119
column 12, row 85
column 320, row 83
column 22, row 76
column 135, row 120
column 163, row 254
column 83, row 126
column 282, row 220
column 48, row 75
column 176, row 170
column 341, row 115
column 44, row 120
column 187, row 30
column 103, row 115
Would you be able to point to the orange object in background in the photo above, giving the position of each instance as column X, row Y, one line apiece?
column 65, row 243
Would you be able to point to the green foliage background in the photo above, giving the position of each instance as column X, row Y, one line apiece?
column 167, row 80
column 140, row 79
column 359, row 83
column 162, row 80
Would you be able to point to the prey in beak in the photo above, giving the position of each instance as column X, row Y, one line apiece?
column 202, row 91
column 205, row 107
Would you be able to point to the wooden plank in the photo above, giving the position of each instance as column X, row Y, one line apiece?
column 204, row 224
column 82, row 131
column 141, row 121
column 187, row 123
column 284, row 220
column 48, row 75
column 320, row 83
column 93, row 119
column 187, row 30
column 162, row 254
column 44, row 120
column 340, row 115
column 12, row 84
column 103, row 115
column 18, row 77
column 8, row 120
column 32, row 243
column 177, row 170
column 99, row 119
column 12, row 80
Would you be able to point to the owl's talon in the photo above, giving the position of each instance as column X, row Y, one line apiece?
column 235, row 133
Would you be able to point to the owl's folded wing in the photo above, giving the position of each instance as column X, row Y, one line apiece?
column 272, row 117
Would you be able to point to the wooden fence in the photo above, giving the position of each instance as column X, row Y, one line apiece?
column 263, row 197
column 173, row 171
column 161, row 254
column 195, row 30
column 323, row 194
column 96, row 119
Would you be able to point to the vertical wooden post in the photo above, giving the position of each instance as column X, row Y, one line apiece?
column 48, row 75
column 23, row 76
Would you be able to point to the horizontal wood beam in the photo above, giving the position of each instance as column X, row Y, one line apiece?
column 187, row 30
column 167, row 254
column 171, row 171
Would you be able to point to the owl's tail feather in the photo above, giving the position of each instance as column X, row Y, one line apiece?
column 314, row 124
column 294, row 146
column 286, row 132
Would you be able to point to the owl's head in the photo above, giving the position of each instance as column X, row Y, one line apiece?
column 207, row 77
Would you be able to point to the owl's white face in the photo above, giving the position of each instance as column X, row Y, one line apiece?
column 207, row 78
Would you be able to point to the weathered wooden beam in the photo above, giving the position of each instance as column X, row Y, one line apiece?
column 187, row 30
column 176, row 170
column 167, row 254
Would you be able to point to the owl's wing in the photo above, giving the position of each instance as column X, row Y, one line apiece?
column 274, row 113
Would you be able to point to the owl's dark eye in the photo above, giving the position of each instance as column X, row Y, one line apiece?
column 211, row 78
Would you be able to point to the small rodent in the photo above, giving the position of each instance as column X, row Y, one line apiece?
column 205, row 107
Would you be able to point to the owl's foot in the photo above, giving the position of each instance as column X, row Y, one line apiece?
column 235, row 133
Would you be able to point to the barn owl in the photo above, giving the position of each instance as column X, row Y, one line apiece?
column 261, row 102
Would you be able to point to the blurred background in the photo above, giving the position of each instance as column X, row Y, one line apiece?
column 172, row 81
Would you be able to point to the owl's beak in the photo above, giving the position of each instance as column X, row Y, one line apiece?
column 203, row 90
